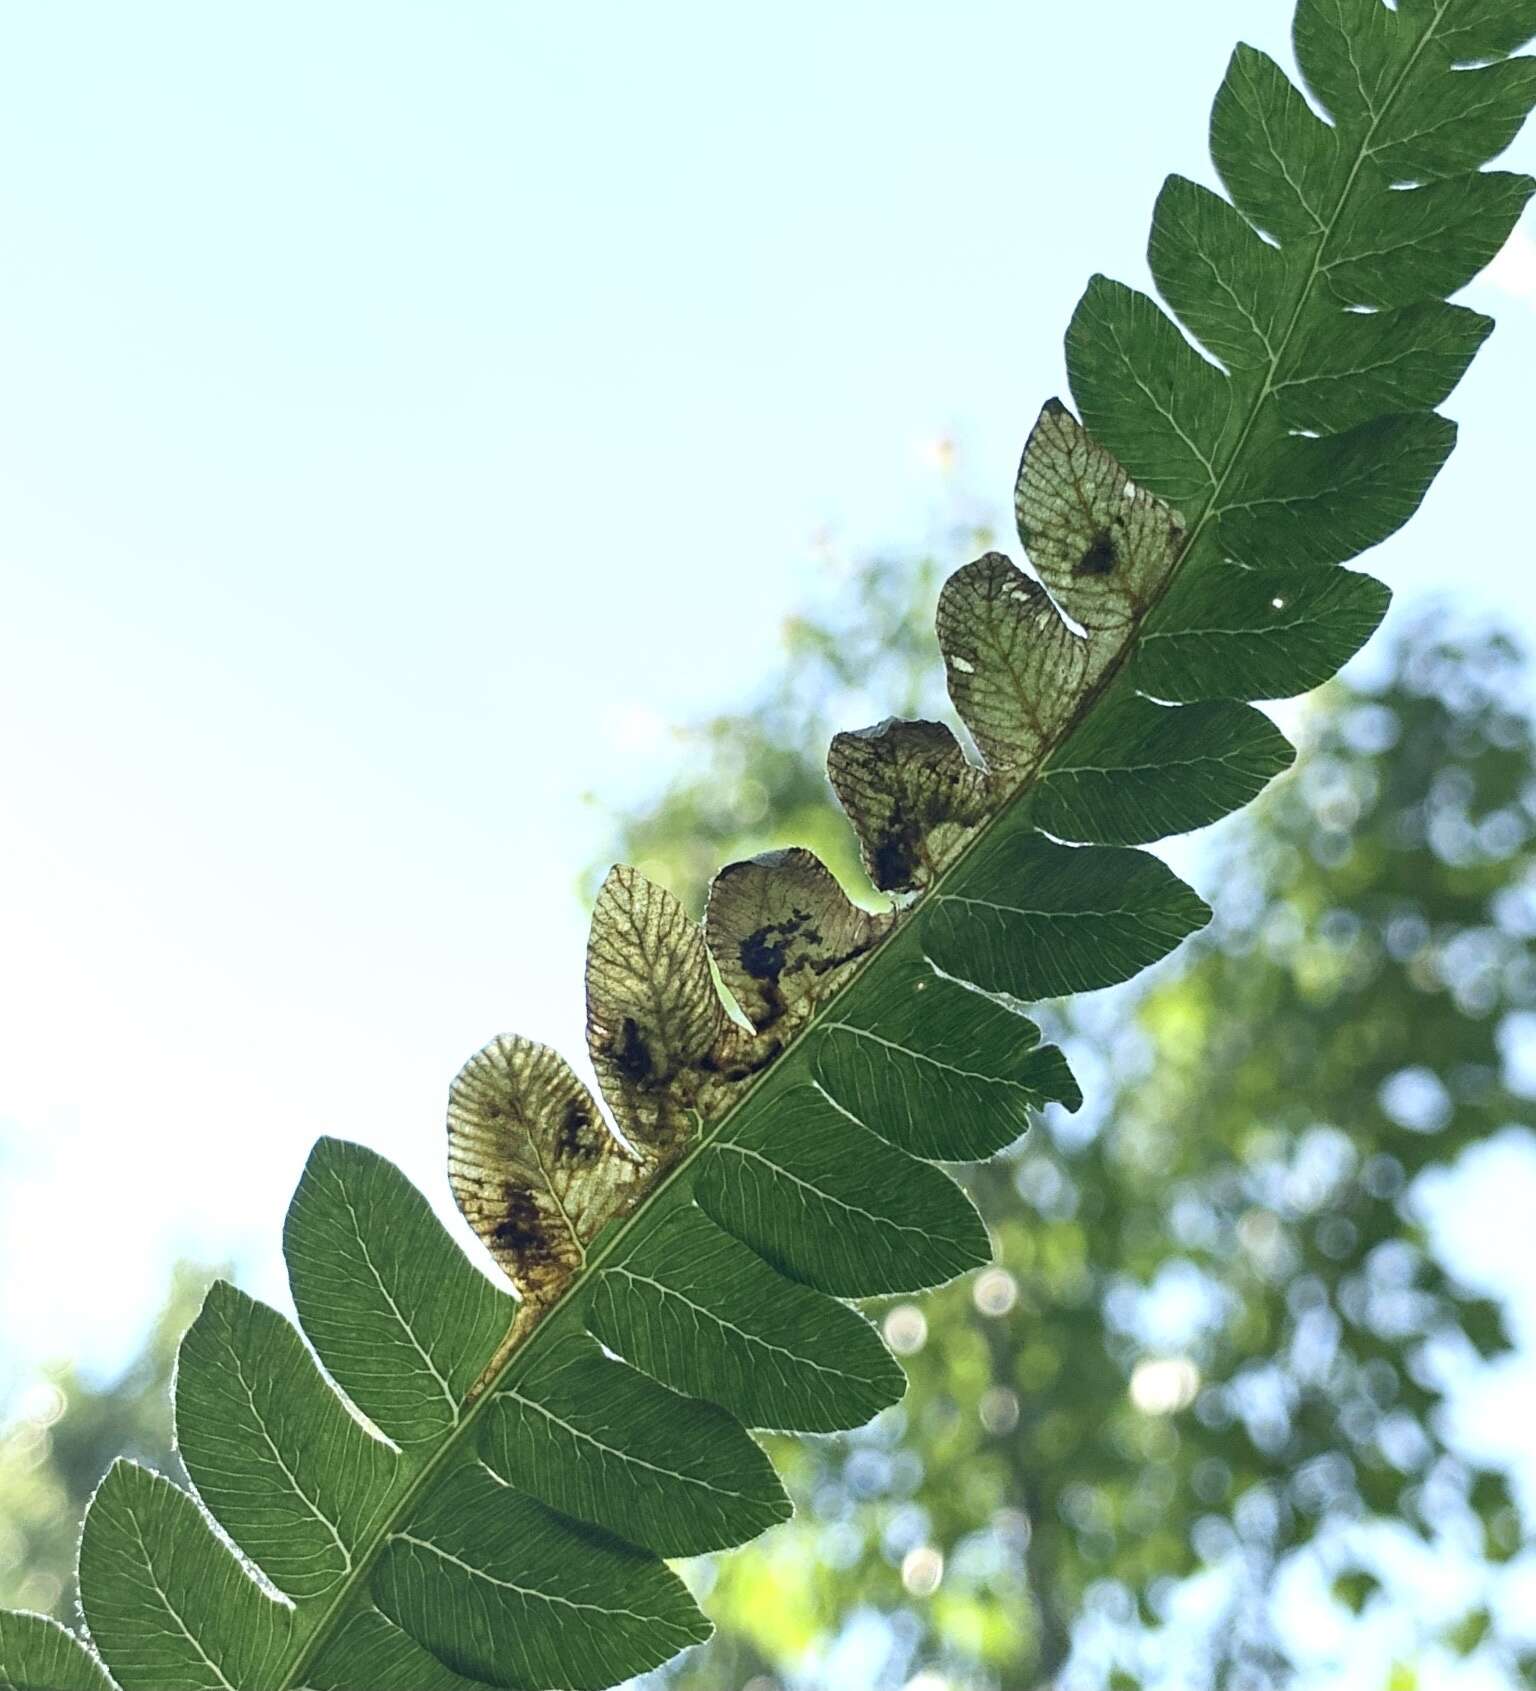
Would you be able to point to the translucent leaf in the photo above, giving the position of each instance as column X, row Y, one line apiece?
column 535, row 1168
column 783, row 932
column 656, row 1027
column 1103, row 546
column 1016, row 672
column 913, row 797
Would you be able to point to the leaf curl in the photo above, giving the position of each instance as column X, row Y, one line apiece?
column 533, row 1165
column 783, row 934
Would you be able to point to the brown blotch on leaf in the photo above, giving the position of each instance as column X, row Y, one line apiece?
column 521, row 1228
column 913, row 796
column 1102, row 546
column 898, row 861
column 576, row 1136
column 763, row 957
column 765, row 953
column 1022, row 654
column 534, row 1167
column 632, row 1055
column 783, row 932
column 656, row 1026
column 1100, row 557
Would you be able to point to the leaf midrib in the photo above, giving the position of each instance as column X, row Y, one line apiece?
column 672, row 1189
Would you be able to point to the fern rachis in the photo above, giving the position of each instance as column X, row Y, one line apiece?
column 503, row 1515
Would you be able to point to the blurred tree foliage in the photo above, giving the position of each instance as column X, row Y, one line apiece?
column 1218, row 1333
column 62, row 1438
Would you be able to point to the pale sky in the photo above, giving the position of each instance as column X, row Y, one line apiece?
column 407, row 408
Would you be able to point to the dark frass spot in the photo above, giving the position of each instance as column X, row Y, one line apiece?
column 521, row 1227
column 764, row 953
column 803, row 929
column 633, row 1055
column 761, row 957
column 895, row 861
column 576, row 1139
column 1100, row 558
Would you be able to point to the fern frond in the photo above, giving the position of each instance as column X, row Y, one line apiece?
column 491, row 1500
